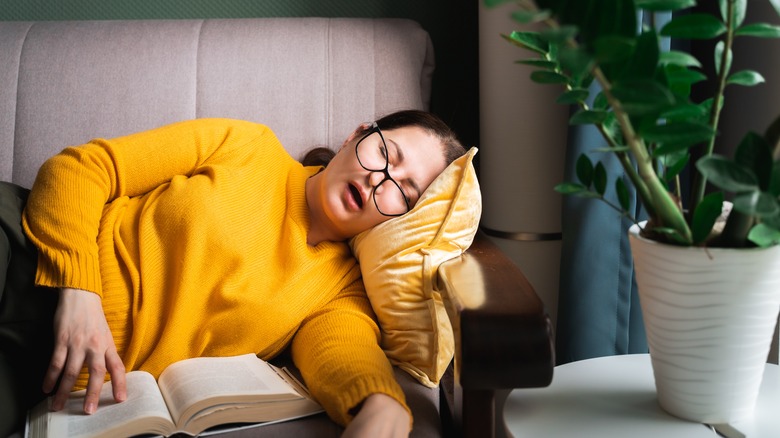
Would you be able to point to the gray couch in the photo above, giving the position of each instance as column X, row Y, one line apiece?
column 310, row 79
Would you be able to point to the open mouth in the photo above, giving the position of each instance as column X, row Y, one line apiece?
column 356, row 195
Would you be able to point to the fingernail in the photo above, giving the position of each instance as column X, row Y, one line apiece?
column 90, row 409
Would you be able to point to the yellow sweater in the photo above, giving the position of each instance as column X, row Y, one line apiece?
column 194, row 235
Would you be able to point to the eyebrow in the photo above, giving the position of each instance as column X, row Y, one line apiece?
column 400, row 152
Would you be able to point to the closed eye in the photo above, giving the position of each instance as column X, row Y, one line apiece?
column 410, row 187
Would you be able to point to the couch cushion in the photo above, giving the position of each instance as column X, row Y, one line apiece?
column 312, row 80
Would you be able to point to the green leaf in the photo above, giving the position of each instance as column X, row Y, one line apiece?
column 760, row 30
column 706, row 105
column 664, row 5
column 679, row 58
column 559, row 34
column 570, row 188
column 694, row 26
column 678, row 166
column 493, row 3
column 705, row 215
column 643, row 97
column 772, row 221
column 576, row 61
column 613, row 131
column 726, row 174
column 678, row 133
column 623, row 195
column 684, row 75
column 754, row 153
column 776, row 5
column 747, row 78
column 675, row 163
column 613, row 48
column 644, row 59
column 756, row 203
column 719, row 61
column 774, row 180
column 600, row 178
column 671, row 149
column 539, row 63
column 529, row 41
column 685, row 111
column 740, row 7
column 584, row 170
column 586, row 117
column 527, row 17
column 548, row 77
column 764, row 235
column 600, row 102
column 680, row 79
column 577, row 95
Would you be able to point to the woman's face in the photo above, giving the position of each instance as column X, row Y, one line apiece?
column 415, row 158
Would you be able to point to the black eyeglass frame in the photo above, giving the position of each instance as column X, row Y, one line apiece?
column 375, row 128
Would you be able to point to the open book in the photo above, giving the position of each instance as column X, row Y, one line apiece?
column 189, row 397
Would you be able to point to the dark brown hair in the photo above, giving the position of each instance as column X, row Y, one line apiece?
column 318, row 156
column 453, row 149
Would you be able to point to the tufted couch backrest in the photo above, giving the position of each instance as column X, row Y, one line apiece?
column 312, row 80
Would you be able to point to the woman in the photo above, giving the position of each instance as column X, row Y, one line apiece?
column 204, row 238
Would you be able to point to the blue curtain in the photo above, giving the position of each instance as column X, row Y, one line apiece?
column 598, row 305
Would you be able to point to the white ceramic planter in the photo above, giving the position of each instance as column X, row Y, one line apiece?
column 709, row 315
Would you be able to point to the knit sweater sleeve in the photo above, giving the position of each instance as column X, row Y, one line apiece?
column 337, row 351
column 71, row 190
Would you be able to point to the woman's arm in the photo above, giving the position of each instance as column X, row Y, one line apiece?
column 63, row 215
column 72, row 188
column 337, row 350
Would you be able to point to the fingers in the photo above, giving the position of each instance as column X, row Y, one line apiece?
column 83, row 338
column 117, row 370
column 97, row 376
column 67, row 379
column 56, row 365
column 97, row 367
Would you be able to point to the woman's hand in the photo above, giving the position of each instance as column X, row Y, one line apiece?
column 381, row 416
column 82, row 338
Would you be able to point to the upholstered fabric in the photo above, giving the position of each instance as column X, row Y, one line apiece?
column 313, row 80
column 399, row 260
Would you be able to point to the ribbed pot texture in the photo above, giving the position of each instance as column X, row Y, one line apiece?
column 709, row 315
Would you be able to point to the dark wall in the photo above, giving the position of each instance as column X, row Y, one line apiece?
column 451, row 24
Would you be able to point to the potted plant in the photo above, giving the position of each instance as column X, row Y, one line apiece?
column 708, row 270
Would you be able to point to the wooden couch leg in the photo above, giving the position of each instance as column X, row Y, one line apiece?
column 479, row 413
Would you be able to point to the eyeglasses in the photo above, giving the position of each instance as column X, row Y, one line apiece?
column 388, row 196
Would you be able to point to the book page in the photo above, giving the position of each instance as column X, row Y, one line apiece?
column 187, row 382
column 144, row 411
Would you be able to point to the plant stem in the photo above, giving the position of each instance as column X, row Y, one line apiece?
column 700, row 182
column 666, row 211
column 737, row 228
column 628, row 167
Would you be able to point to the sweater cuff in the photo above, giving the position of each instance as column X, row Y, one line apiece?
column 359, row 389
column 68, row 269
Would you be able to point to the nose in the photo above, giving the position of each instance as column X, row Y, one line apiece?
column 374, row 178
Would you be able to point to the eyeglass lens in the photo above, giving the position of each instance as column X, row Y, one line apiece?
column 388, row 196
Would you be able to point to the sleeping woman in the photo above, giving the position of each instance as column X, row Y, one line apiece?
column 205, row 238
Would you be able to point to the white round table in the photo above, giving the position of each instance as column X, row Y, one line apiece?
column 615, row 397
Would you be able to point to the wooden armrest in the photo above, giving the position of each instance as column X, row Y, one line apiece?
column 503, row 335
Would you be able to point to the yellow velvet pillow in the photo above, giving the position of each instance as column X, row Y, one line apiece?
column 399, row 260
